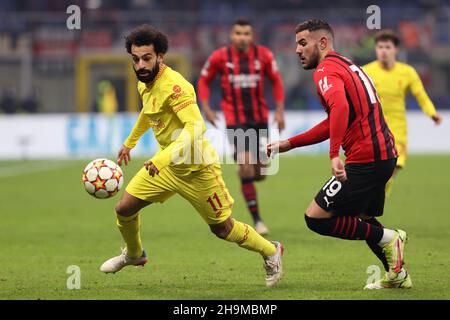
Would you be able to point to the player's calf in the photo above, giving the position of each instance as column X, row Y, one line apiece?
column 345, row 227
column 223, row 229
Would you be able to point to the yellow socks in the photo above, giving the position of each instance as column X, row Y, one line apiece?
column 246, row 237
column 129, row 228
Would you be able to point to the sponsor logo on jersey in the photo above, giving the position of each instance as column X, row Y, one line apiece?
column 244, row 80
column 177, row 92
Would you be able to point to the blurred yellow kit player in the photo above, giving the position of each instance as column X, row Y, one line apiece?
column 185, row 164
column 393, row 80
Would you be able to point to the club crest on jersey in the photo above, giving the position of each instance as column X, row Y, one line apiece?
column 176, row 88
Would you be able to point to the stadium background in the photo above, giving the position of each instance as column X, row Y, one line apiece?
column 68, row 94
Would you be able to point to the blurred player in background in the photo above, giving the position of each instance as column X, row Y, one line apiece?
column 242, row 66
column 393, row 80
column 346, row 206
column 170, row 109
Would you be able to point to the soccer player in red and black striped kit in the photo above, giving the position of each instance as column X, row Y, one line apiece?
column 243, row 66
column 347, row 205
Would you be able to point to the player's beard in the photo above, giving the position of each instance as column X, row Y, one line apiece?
column 148, row 78
column 314, row 60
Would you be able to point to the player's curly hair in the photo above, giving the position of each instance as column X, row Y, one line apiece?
column 387, row 35
column 146, row 35
column 314, row 25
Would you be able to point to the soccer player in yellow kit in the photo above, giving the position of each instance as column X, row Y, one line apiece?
column 185, row 163
column 393, row 80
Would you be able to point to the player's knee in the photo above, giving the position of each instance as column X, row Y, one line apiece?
column 123, row 210
column 246, row 171
column 120, row 210
column 315, row 224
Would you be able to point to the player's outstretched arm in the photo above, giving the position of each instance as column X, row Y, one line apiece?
column 316, row 134
column 278, row 147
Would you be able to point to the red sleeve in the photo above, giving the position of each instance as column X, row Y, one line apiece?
column 271, row 70
column 318, row 133
column 338, row 121
column 331, row 88
column 209, row 71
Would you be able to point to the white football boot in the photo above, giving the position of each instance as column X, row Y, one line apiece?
column 273, row 265
column 116, row 264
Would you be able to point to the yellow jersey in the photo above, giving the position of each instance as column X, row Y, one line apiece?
column 392, row 86
column 170, row 109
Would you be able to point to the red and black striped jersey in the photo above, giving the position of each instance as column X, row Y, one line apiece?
column 242, row 82
column 355, row 118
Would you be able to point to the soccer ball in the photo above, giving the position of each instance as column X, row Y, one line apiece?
column 102, row 178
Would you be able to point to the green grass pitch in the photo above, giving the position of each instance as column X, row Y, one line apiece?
column 48, row 222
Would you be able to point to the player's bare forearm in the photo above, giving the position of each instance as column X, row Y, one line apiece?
column 278, row 147
column 316, row 134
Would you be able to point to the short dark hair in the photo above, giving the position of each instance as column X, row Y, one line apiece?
column 387, row 35
column 242, row 22
column 144, row 35
column 314, row 25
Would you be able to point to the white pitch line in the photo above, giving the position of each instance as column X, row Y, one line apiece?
column 32, row 167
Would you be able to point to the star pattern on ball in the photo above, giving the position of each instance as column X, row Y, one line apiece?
column 99, row 164
column 117, row 175
column 99, row 183
column 106, row 187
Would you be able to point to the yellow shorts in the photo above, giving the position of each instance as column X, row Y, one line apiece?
column 204, row 189
column 402, row 149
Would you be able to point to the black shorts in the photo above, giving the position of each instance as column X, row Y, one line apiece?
column 362, row 193
column 249, row 138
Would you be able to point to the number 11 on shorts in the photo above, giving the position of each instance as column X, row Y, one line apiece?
column 211, row 201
